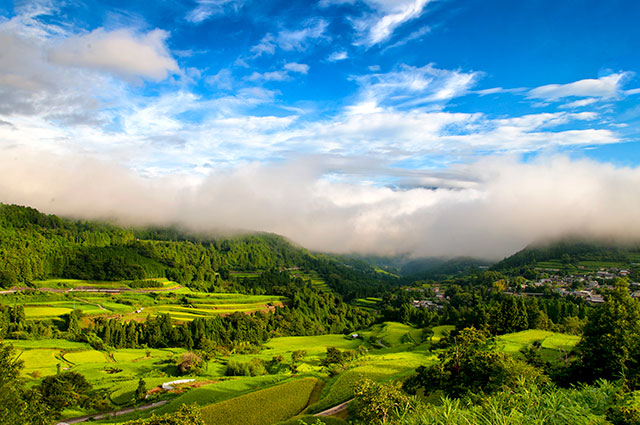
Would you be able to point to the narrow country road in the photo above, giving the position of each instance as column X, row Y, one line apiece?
column 113, row 413
column 335, row 409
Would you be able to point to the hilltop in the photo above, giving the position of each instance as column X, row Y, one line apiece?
column 572, row 252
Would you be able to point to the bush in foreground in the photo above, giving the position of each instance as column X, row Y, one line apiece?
column 186, row 415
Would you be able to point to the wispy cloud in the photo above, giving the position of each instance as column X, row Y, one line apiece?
column 297, row 39
column 414, row 86
column 267, row 45
column 581, row 103
column 607, row 87
column 387, row 16
column 223, row 79
column 280, row 75
column 208, row 8
column 338, row 56
column 416, row 35
column 269, row 76
column 300, row 38
column 300, row 68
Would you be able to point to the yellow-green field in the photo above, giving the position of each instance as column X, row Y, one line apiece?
column 553, row 344
column 137, row 305
column 262, row 407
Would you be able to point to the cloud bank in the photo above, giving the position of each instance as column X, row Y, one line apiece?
column 489, row 208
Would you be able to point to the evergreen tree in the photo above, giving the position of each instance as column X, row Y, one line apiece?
column 610, row 347
column 141, row 390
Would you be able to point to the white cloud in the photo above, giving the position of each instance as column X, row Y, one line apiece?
column 419, row 33
column 31, row 85
column 223, row 79
column 299, row 39
column 498, row 90
column 300, row 68
column 607, row 87
column 338, row 56
column 503, row 206
column 208, row 8
column 579, row 103
column 269, row 76
column 282, row 75
column 386, row 17
column 122, row 52
column 413, row 86
column 267, row 45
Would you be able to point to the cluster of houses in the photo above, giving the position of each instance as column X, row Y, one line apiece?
column 428, row 304
column 583, row 285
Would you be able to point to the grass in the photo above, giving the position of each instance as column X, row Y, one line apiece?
column 262, row 407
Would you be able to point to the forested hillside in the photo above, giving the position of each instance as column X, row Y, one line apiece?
column 571, row 251
column 36, row 246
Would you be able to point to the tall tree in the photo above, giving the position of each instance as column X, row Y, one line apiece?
column 610, row 344
column 17, row 404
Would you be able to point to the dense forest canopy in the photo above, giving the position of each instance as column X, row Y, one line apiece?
column 36, row 246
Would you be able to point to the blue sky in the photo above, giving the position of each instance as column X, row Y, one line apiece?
column 404, row 102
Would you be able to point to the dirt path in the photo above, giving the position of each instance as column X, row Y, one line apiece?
column 87, row 302
column 335, row 409
column 114, row 413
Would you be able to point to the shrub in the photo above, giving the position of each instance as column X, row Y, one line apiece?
column 254, row 367
column 190, row 363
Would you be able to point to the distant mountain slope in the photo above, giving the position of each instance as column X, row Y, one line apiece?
column 421, row 268
column 438, row 268
column 36, row 246
column 571, row 250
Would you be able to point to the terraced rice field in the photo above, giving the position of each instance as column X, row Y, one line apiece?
column 377, row 368
column 393, row 334
column 369, row 303
column 87, row 356
column 42, row 361
column 316, row 280
column 553, row 344
column 37, row 312
column 440, row 331
column 262, row 407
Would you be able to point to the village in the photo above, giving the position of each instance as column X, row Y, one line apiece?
column 586, row 285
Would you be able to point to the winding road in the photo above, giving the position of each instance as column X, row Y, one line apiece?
column 335, row 409
column 113, row 413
